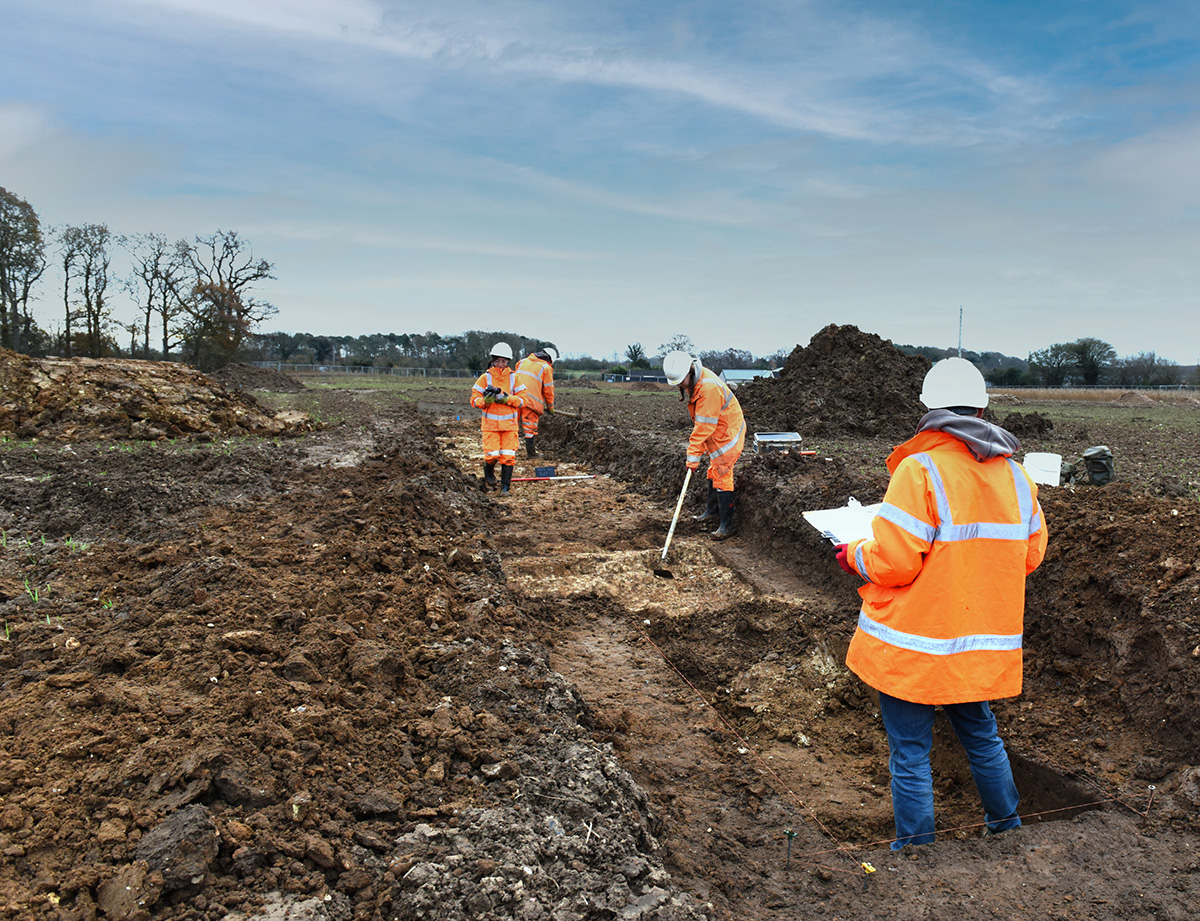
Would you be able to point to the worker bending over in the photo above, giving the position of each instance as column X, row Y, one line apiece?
column 718, row 432
column 536, row 372
column 942, row 617
column 500, row 395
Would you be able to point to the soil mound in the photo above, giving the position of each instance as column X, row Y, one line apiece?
column 846, row 382
column 648, row 386
column 248, row 377
column 69, row 399
column 579, row 382
column 1026, row 425
column 1133, row 398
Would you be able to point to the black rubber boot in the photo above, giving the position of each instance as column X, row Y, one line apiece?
column 505, row 479
column 531, row 447
column 725, row 506
column 489, row 475
column 710, row 510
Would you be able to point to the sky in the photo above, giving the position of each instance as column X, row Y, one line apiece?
column 599, row 172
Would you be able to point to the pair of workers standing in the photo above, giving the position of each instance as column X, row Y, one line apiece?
column 512, row 400
column 942, row 619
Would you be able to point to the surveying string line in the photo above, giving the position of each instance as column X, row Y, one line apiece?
column 956, row 828
column 843, row 848
column 1094, row 784
column 788, row 791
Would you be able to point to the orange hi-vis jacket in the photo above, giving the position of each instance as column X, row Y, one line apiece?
column 499, row 417
column 943, row 609
column 538, row 377
column 718, row 425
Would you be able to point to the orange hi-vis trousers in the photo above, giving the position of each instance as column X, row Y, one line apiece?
column 500, row 447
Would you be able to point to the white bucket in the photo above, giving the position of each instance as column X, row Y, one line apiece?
column 1043, row 468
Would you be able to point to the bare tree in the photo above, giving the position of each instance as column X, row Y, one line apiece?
column 1145, row 369
column 84, row 251
column 221, row 310
column 160, row 271
column 22, row 261
column 729, row 359
column 679, row 342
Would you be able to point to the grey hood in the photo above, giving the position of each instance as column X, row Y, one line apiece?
column 985, row 439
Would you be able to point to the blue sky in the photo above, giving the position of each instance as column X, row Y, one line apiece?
column 601, row 173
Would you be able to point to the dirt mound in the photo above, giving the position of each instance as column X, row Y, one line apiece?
column 648, row 386
column 846, row 382
column 578, row 382
column 248, row 377
column 1133, row 398
column 1027, row 425
column 86, row 399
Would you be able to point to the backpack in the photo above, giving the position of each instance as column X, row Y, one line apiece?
column 1098, row 465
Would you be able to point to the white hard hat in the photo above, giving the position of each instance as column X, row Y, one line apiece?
column 502, row 350
column 954, row 382
column 553, row 354
column 677, row 364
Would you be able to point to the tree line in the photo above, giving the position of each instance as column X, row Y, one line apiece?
column 194, row 298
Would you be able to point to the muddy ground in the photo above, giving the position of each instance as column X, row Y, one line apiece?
column 322, row 674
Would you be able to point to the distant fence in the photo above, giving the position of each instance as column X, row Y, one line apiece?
column 366, row 370
column 399, row 372
column 1094, row 387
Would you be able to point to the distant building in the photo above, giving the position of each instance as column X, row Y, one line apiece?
column 734, row 377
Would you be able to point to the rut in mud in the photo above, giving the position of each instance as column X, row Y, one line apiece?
column 329, row 675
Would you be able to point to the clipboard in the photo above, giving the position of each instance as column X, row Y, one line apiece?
column 841, row 525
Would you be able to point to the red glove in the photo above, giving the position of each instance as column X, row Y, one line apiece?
column 842, row 561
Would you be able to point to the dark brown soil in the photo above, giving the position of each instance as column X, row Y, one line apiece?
column 331, row 676
column 248, row 377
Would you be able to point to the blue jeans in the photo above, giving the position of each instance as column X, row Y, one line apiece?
column 910, row 738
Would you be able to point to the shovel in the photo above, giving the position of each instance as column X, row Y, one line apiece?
column 563, row 412
column 666, row 573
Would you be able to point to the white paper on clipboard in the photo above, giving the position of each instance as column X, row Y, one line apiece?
column 841, row 525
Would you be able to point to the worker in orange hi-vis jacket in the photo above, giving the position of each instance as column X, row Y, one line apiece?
column 536, row 372
column 500, row 395
column 942, row 618
column 718, row 432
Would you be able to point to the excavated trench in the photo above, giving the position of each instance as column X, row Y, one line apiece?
column 723, row 688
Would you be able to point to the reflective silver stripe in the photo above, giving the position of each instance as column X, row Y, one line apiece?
column 505, row 453
column 860, row 562
column 906, row 522
column 939, row 489
column 729, row 445
column 1035, row 523
column 948, row 531
column 728, row 399
column 978, row 642
column 501, row 418
column 713, row 419
column 1024, row 493
column 693, row 458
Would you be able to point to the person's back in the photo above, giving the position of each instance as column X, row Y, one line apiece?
column 947, row 568
column 942, row 617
